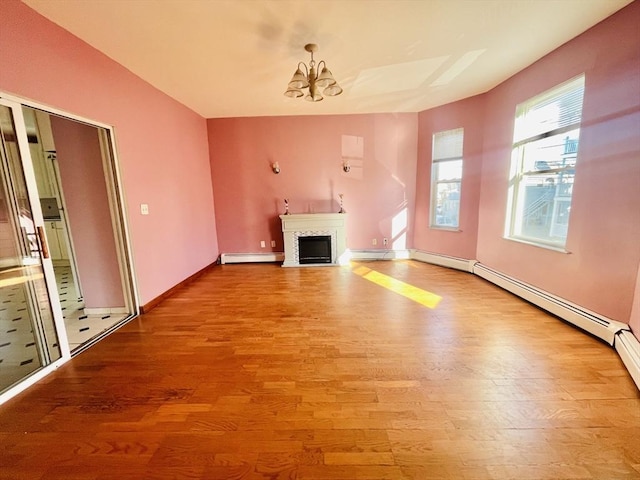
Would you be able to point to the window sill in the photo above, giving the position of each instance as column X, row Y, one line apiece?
column 539, row 245
column 445, row 229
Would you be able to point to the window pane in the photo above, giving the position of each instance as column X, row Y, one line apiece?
column 446, row 177
column 451, row 170
column 551, row 110
column 546, row 138
column 551, row 153
column 546, row 204
column 447, row 204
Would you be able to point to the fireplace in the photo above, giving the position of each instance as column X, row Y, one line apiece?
column 314, row 249
column 314, row 239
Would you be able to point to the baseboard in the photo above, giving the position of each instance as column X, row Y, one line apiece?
column 443, row 260
column 598, row 325
column 628, row 347
column 106, row 311
column 279, row 256
column 377, row 254
column 251, row 257
column 614, row 333
column 147, row 307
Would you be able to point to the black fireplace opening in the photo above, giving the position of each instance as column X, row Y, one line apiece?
column 315, row 249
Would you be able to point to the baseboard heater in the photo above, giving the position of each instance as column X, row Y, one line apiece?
column 378, row 254
column 443, row 260
column 628, row 347
column 593, row 323
column 279, row 256
column 251, row 257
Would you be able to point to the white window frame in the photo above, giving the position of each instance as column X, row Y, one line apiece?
column 532, row 128
column 447, row 146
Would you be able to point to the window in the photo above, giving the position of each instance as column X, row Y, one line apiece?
column 446, row 177
column 545, row 149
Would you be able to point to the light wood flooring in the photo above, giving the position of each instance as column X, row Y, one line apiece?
column 380, row 370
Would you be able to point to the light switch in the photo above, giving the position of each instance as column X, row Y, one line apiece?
column 144, row 209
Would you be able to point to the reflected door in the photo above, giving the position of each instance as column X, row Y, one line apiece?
column 29, row 338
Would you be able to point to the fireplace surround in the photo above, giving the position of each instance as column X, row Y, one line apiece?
column 329, row 228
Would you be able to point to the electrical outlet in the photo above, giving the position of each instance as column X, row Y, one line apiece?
column 273, row 243
column 144, row 209
column 262, row 244
column 385, row 241
column 374, row 241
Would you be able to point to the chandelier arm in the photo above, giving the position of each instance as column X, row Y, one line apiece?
column 311, row 75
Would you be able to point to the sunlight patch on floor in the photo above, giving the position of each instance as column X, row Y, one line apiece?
column 418, row 295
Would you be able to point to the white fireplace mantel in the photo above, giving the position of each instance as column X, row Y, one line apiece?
column 314, row 224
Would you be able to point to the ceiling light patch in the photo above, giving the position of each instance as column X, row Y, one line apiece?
column 395, row 78
column 458, row 67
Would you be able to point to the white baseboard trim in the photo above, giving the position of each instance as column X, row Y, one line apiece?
column 378, row 254
column 106, row 311
column 628, row 347
column 279, row 257
column 598, row 325
column 443, row 260
column 251, row 257
column 616, row 334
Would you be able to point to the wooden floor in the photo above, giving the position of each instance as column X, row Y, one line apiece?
column 262, row 372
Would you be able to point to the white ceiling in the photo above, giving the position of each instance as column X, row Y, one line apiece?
column 233, row 58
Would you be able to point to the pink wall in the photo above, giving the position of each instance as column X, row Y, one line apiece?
column 600, row 271
column 467, row 114
column 163, row 153
column 88, row 213
column 378, row 191
column 161, row 145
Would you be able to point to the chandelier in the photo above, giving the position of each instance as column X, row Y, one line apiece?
column 310, row 79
